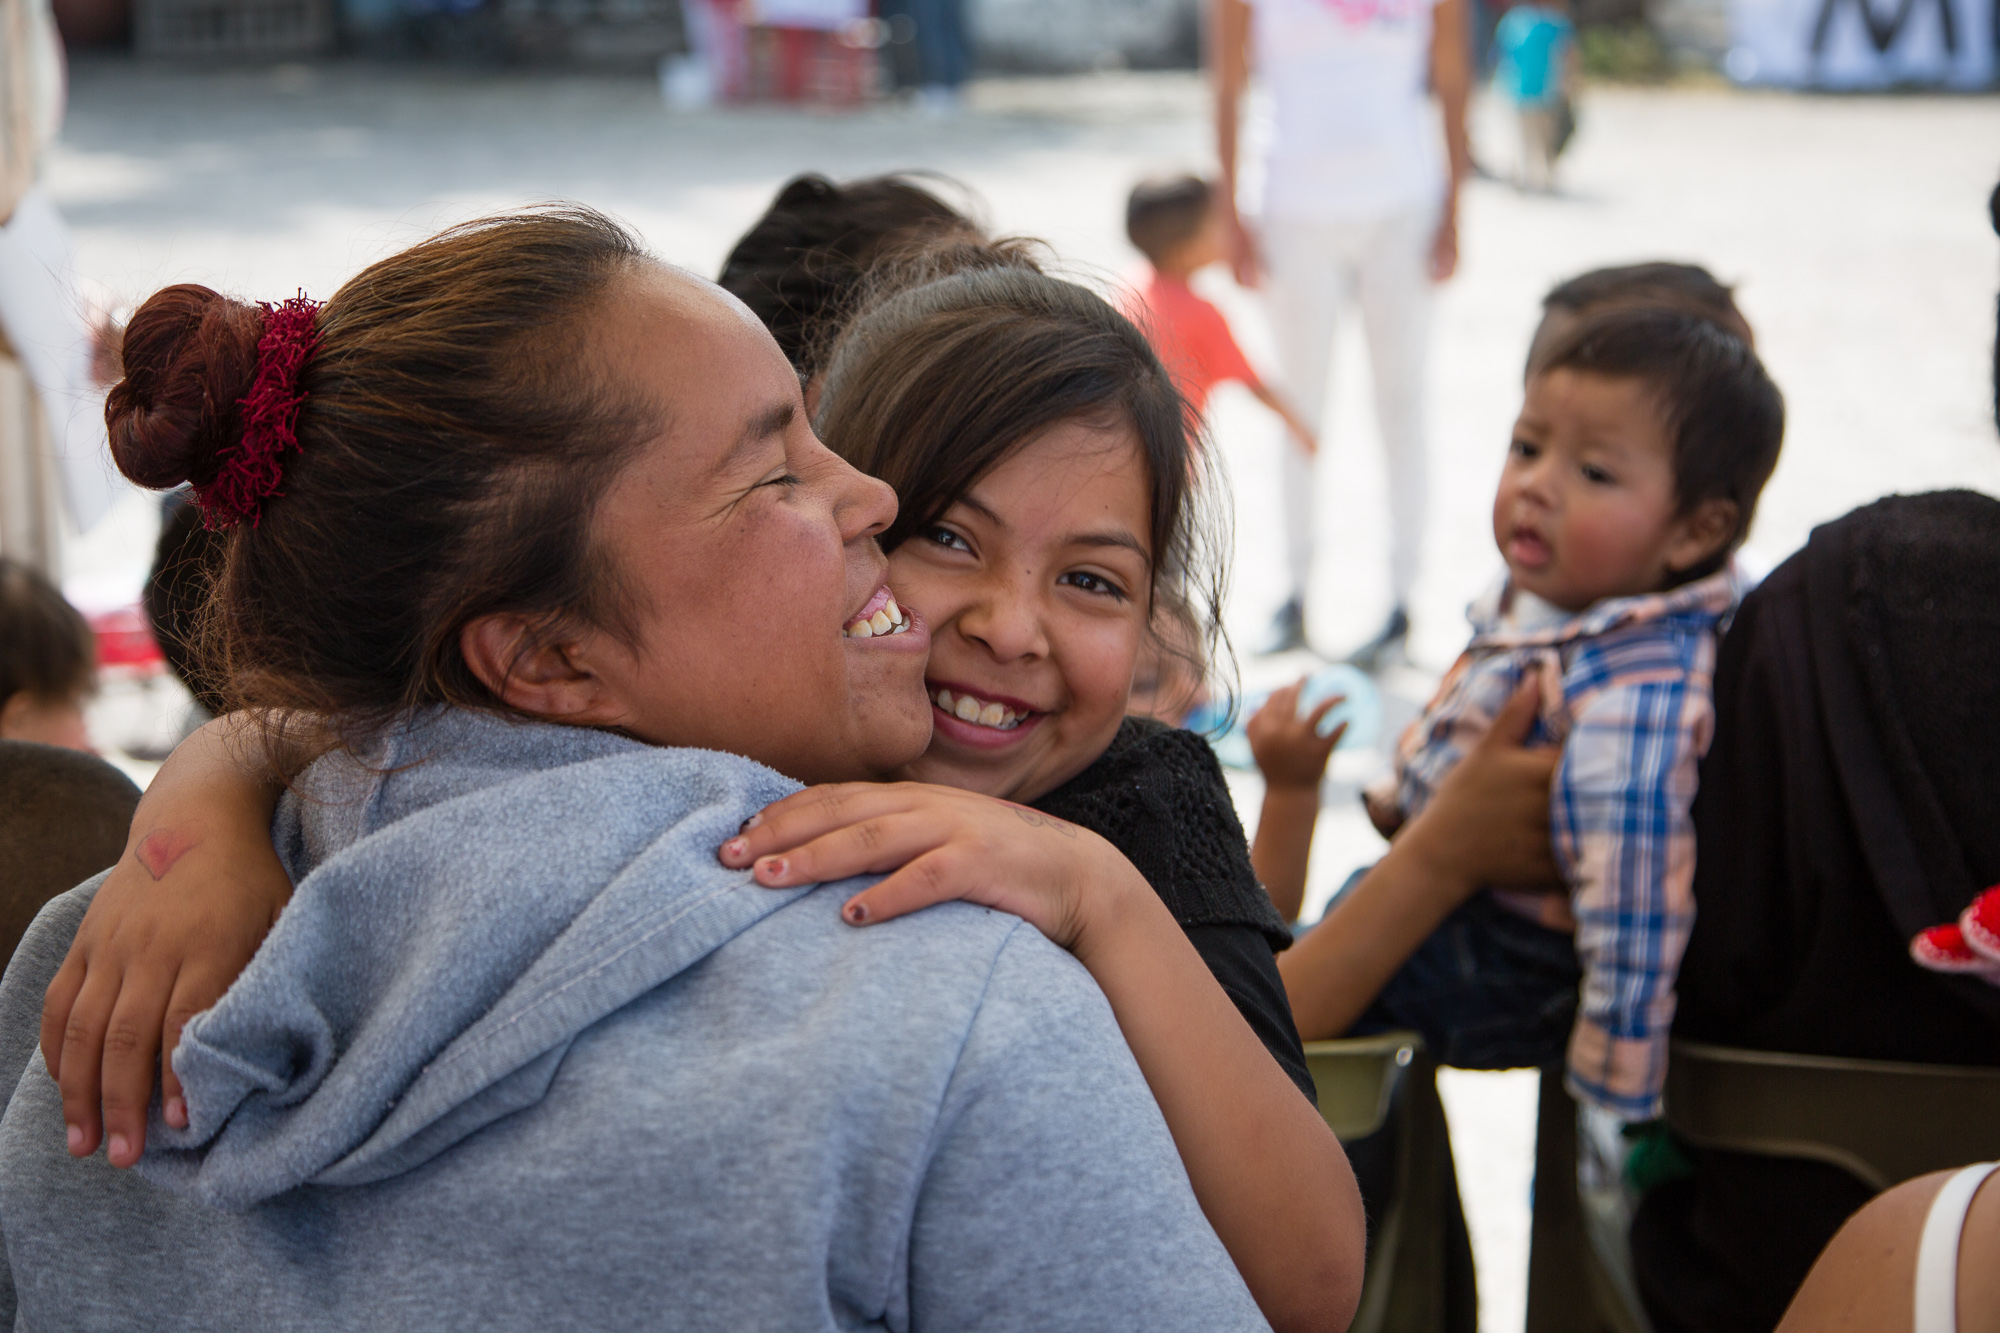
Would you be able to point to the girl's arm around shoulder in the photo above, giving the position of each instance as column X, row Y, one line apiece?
column 176, row 920
column 1266, row 1170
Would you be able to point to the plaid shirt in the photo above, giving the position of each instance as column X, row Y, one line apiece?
column 1627, row 692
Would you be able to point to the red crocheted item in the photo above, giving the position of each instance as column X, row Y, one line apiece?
column 254, row 466
column 1981, row 924
column 1943, row 949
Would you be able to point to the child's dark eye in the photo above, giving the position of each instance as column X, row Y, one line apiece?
column 1095, row 584
column 946, row 538
column 1597, row 476
column 1526, row 449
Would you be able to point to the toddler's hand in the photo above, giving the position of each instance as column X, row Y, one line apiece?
column 1288, row 748
column 941, row 843
column 177, row 920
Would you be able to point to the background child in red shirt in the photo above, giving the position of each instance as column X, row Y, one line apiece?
column 1174, row 223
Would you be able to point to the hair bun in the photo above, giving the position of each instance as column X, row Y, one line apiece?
column 190, row 355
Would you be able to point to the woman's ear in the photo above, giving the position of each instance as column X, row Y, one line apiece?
column 537, row 673
column 1701, row 532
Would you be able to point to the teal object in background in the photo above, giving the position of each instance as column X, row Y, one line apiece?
column 1360, row 707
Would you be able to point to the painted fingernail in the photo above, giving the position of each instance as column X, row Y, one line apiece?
column 176, row 1112
column 856, row 913
column 76, row 1138
column 751, row 822
column 772, row 867
column 118, row 1146
column 735, row 847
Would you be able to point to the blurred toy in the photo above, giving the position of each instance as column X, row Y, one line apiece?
column 1359, row 710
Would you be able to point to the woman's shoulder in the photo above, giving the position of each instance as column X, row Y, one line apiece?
column 1157, row 794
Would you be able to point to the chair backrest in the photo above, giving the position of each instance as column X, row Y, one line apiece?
column 1356, row 1078
column 1883, row 1122
column 63, row 817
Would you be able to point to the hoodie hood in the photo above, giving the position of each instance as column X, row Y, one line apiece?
column 472, row 893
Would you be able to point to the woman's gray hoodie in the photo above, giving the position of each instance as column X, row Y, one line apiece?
column 520, row 1054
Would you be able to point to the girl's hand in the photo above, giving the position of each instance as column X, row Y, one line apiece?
column 941, row 843
column 176, row 921
column 1288, row 748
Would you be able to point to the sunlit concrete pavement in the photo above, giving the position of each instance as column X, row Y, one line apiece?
column 1855, row 228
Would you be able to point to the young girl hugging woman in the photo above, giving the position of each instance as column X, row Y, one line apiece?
column 532, row 532
column 1041, row 461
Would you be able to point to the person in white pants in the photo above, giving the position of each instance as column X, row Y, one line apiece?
column 1358, row 204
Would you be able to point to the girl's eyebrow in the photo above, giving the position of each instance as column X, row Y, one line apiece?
column 1114, row 537
column 1102, row 537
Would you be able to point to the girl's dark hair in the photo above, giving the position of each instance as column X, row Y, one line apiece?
column 963, row 355
column 452, row 443
column 1724, row 415
column 799, row 266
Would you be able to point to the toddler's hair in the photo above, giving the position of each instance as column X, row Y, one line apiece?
column 801, row 265
column 1656, row 285
column 46, row 649
column 1724, row 415
column 1166, row 212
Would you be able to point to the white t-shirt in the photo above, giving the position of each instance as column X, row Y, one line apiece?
column 1352, row 133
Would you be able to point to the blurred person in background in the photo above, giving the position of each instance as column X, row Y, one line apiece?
column 185, row 563
column 803, row 264
column 45, row 323
column 944, row 53
column 1174, row 223
column 1535, row 66
column 1357, row 202
column 48, row 661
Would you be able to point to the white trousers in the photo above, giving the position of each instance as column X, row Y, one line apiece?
column 1311, row 270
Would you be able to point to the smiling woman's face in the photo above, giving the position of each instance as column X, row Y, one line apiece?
column 744, row 549
column 1036, row 586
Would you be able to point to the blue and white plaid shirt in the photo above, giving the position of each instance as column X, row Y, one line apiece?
column 1627, row 692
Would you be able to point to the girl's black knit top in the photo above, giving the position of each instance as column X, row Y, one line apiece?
column 1158, row 795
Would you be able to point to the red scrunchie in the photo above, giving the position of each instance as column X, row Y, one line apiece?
column 253, row 467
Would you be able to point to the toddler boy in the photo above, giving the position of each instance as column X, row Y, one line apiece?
column 48, row 661
column 1175, row 224
column 1642, row 445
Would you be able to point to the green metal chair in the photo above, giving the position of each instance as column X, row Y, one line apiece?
column 1358, row 1078
column 1881, row 1121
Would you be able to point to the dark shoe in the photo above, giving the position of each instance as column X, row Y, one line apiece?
column 1287, row 632
column 1392, row 635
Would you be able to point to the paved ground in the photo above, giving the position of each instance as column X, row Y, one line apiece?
column 1854, row 226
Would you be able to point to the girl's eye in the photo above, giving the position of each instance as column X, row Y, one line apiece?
column 1095, row 584
column 1526, row 449
column 1597, row 476
column 946, row 538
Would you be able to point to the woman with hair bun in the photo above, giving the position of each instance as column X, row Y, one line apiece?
column 533, row 531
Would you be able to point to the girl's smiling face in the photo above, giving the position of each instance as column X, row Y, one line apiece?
column 1036, row 585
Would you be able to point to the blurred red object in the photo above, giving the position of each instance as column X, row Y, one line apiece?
column 124, row 639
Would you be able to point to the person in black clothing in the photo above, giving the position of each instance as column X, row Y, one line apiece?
column 1849, row 800
column 803, row 265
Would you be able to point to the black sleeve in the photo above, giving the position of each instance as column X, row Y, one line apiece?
column 1247, row 971
column 1158, row 795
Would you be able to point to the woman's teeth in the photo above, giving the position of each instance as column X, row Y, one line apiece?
column 888, row 619
column 968, row 709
